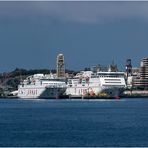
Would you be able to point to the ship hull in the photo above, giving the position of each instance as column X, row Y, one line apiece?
column 112, row 91
column 42, row 92
column 94, row 91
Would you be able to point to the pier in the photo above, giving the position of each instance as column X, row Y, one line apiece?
column 135, row 93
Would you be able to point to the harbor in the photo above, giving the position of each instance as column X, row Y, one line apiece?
column 96, row 83
column 73, row 74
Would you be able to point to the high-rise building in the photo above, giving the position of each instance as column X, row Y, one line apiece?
column 142, row 81
column 144, row 69
column 128, row 67
column 60, row 66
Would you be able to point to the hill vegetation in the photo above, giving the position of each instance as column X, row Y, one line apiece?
column 10, row 81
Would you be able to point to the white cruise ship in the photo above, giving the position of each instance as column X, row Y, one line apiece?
column 87, row 82
column 41, row 86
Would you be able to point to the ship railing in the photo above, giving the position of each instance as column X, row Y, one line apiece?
column 56, row 86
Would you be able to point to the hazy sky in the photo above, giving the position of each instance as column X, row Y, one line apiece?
column 87, row 33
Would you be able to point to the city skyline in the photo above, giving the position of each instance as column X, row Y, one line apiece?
column 32, row 34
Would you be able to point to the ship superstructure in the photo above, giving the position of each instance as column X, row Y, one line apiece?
column 88, row 82
column 41, row 86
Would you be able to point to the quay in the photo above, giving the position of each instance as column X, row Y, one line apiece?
column 125, row 94
column 135, row 93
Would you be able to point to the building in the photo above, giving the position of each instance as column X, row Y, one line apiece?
column 128, row 67
column 134, row 74
column 142, row 81
column 144, row 69
column 98, row 68
column 60, row 66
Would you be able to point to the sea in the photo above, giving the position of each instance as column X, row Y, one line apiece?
column 74, row 123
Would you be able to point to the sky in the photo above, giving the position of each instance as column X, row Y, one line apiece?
column 88, row 33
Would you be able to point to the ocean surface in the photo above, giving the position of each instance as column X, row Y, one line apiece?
column 73, row 123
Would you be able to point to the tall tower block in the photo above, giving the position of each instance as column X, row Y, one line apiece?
column 128, row 67
column 60, row 66
column 144, row 69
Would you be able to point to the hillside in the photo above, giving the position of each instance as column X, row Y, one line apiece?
column 9, row 81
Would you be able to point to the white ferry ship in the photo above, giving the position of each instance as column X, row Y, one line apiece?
column 41, row 86
column 109, row 83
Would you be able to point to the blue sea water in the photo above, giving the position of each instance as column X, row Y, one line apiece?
column 69, row 123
